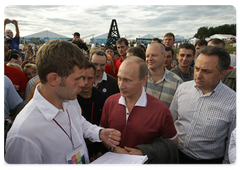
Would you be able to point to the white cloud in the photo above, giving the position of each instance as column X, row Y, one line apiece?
column 138, row 19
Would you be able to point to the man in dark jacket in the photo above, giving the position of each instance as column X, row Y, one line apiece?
column 79, row 42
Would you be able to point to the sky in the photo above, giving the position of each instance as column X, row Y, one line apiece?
column 137, row 20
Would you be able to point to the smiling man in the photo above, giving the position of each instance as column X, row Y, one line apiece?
column 185, row 56
column 51, row 128
column 161, row 83
column 204, row 110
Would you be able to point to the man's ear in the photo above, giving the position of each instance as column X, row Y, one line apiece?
column 53, row 79
column 222, row 73
column 144, row 80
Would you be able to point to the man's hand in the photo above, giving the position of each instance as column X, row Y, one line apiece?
column 133, row 151
column 15, row 22
column 110, row 137
column 118, row 149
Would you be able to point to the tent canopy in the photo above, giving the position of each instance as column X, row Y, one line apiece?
column 47, row 35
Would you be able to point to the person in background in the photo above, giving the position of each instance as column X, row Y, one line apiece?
column 122, row 47
column 30, row 70
column 161, row 83
column 17, row 76
column 204, row 110
column 11, row 97
column 51, row 129
column 199, row 44
column 79, row 42
column 169, row 40
column 168, row 57
column 136, row 51
column 185, row 56
column 221, row 43
column 16, row 38
column 103, row 82
column 157, row 40
column 91, row 101
column 13, row 56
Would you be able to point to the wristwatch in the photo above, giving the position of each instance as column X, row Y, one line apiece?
column 111, row 149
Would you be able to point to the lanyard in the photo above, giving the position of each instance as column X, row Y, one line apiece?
column 91, row 112
column 70, row 137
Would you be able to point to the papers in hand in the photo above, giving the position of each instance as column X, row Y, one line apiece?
column 116, row 158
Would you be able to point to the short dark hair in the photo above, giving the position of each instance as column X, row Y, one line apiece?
column 169, row 34
column 201, row 43
column 217, row 41
column 169, row 49
column 137, row 51
column 120, row 40
column 156, row 39
column 98, row 52
column 187, row 46
column 109, row 47
column 59, row 56
column 224, row 59
column 91, row 65
column 12, row 53
column 76, row 34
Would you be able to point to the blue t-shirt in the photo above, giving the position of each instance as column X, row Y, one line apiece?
column 15, row 43
column 11, row 97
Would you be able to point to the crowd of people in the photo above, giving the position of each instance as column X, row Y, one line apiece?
column 67, row 106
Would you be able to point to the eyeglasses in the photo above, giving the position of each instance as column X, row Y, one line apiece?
column 100, row 65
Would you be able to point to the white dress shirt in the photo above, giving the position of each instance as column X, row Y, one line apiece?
column 36, row 138
column 204, row 122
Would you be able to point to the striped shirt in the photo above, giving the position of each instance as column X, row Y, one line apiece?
column 165, row 88
column 204, row 122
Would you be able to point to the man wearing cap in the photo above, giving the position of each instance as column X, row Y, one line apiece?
column 79, row 42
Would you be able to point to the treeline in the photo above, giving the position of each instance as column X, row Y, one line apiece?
column 204, row 32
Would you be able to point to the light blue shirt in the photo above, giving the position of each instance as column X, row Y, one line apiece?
column 11, row 97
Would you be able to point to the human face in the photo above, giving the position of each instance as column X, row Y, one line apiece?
column 9, row 33
column 197, row 48
column 100, row 63
column 206, row 73
column 185, row 57
column 154, row 57
column 168, row 58
column 129, row 84
column 168, row 41
column 110, row 52
column 30, row 73
column 122, row 48
column 71, row 86
column 89, row 79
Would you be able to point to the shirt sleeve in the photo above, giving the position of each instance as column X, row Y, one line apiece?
column 21, row 151
column 174, row 106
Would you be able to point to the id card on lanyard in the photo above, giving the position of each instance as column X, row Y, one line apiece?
column 77, row 156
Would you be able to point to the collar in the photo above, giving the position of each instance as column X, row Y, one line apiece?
column 165, row 76
column 142, row 101
column 48, row 110
column 215, row 90
column 104, row 77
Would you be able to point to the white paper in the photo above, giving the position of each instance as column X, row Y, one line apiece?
column 116, row 158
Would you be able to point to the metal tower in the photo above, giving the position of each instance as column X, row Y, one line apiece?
column 113, row 34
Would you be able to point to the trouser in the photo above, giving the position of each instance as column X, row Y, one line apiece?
column 184, row 159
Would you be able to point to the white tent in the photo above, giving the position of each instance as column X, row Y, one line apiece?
column 222, row 36
column 46, row 35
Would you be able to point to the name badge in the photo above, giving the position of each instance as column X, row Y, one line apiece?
column 77, row 156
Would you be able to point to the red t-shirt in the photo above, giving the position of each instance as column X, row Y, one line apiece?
column 144, row 124
column 17, row 77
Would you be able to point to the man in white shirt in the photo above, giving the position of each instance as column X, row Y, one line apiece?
column 51, row 129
